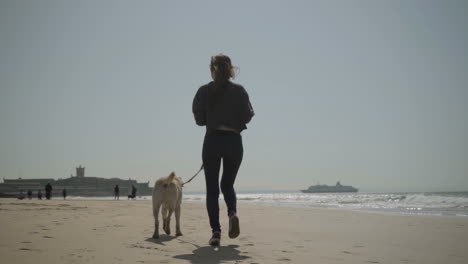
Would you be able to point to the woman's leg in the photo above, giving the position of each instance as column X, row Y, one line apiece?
column 211, row 163
column 232, row 158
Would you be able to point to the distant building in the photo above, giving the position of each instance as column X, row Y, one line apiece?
column 80, row 172
column 78, row 185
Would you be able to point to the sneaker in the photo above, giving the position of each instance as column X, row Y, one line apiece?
column 234, row 229
column 215, row 239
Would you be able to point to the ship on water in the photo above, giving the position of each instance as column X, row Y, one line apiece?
column 338, row 188
column 78, row 185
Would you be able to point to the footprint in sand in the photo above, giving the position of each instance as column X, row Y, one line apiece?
column 47, row 237
column 372, row 261
column 284, row 259
column 26, row 242
column 28, row 249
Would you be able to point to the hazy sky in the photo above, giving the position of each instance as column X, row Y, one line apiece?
column 372, row 93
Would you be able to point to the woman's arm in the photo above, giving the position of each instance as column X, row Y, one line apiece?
column 246, row 109
column 199, row 107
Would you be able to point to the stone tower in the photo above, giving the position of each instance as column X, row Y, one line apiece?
column 80, row 172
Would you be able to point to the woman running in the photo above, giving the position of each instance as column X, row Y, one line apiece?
column 224, row 108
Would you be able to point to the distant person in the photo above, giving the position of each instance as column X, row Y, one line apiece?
column 224, row 108
column 64, row 193
column 48, row 191
column 133, row 194
column 29, row 194
column 39, row 194
column 116, row 192
column 21, row 195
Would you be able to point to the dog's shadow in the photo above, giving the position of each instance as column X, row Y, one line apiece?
column 160, row 240
column 212, row 255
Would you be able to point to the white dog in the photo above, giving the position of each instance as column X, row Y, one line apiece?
column 167, row 193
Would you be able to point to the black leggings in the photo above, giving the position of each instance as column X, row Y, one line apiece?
column 227, row 146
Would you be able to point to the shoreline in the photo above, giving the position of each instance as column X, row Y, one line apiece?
column 439, row 212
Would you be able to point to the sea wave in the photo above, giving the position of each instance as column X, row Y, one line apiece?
column 404, row 203
column 451, row 204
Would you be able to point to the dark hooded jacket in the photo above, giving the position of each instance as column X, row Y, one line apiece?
column 229, row 107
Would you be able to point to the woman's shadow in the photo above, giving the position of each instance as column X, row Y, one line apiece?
column 213, row 255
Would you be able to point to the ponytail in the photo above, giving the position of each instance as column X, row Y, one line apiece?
column 222, row 70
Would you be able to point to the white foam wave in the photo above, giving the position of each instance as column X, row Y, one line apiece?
column 420, row 203
column 455, row 204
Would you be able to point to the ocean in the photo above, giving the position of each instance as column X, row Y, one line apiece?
column 428, row 203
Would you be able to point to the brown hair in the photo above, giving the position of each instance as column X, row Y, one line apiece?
column 222, row 68
column 222, row 71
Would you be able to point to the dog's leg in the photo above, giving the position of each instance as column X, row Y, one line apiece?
column 177, row 217
column 164, row 216
column 168, row 221
column 156, row 220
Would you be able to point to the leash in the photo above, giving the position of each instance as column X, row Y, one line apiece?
column 201, row 168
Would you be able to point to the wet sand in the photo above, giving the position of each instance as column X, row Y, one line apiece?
column 84, row 231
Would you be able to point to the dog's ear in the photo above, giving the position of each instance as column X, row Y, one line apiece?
column 171, row 176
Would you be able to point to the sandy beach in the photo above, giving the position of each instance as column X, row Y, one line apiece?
column 88, row 231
